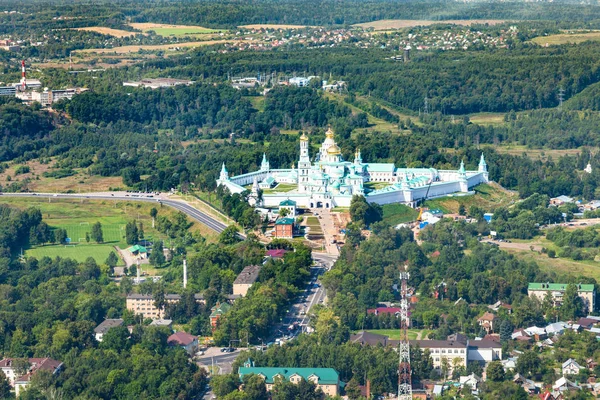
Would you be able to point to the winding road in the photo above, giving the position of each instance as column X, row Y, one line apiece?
column 194, row 213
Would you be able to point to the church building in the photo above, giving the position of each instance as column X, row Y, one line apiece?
column 328, row 181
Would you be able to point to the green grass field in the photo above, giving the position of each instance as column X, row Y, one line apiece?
column 564, row 38
column 79, row 252
column 394, row 334
column 282, row 188
column 487, row 196
column 395, row 214
column 77, row 218
column 113, row 233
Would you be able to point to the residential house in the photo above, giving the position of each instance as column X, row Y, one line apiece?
column 217, row 312
column 138, row 252
column 471, row 380
column 500, row 305
column 526, row 384
column 510, row 364
column 245, row 280
column 184, row 340
column 384, row 310
column 560, row 200
column 326, row 379
column 162, row 322
column 564, row 385
column 571, row 367
column 276, row 253
column 431, row 214
column 587, row 323
column 556, row 328
column 20, row 380
column 484, row 350
column 486, row 321
column 105, row 326
column 372, row 339
column 557, row 290
column 290, row 206
column 144, row 304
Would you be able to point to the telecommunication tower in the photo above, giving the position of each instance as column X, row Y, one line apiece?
column 426, row 106
column 404, row 370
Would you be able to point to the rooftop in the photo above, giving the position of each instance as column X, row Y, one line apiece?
column 288, row 202
column 107, row 324
column 181, row 338
column 559, row 287
column 325, row 376
column 276, row 253
column 285, row 221
column 161, row 322
column 248, row 275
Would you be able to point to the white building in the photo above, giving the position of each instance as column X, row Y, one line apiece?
column 328, row 181
column 571, row 367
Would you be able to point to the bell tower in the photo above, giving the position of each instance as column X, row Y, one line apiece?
column 303, row 163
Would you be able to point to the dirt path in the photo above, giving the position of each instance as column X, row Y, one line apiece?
column 515, row 246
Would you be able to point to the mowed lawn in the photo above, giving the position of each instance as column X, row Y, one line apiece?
column 394, row 334
column 112, row 233
column 79, row 252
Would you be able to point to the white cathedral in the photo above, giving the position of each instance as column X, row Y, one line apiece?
column 328, row 181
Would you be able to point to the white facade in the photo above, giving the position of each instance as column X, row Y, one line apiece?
column 329, row 181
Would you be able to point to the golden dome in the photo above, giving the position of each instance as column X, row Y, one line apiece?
column 304, row 138
column 334, row 150
column 329, row 133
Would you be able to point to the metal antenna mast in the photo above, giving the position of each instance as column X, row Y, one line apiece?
column 404, row 370
column 426, row 106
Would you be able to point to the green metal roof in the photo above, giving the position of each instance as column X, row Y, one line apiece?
column 285, row 221
column 559, row 287
column 137, row 248
column 288, row 202
column 326, row 376
column 220, row 309
column 381, row 167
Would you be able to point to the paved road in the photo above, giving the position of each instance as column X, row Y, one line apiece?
column 194, row 213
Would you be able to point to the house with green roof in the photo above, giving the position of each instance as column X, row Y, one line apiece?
column 138, row 251
column 284, row 228
column 290, row 206
column 217, row 312
column 326, row 379
column 586, row 292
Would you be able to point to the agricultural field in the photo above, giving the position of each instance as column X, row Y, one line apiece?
column 487, row 118
column 173, row 30
column 565, row 38
column 395, row 214
column 108, row 31
column 487, row 196
column 385, row 24
column 275, row 26
column 153, row 47
column 79, row 252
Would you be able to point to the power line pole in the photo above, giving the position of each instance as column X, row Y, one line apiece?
column 404, row 370
column 426, row 106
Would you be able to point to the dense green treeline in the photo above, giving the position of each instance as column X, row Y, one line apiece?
column 236, row 12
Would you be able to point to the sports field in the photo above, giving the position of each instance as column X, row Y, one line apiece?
column 79, row 252
column 112, row 232
column 173, row 30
